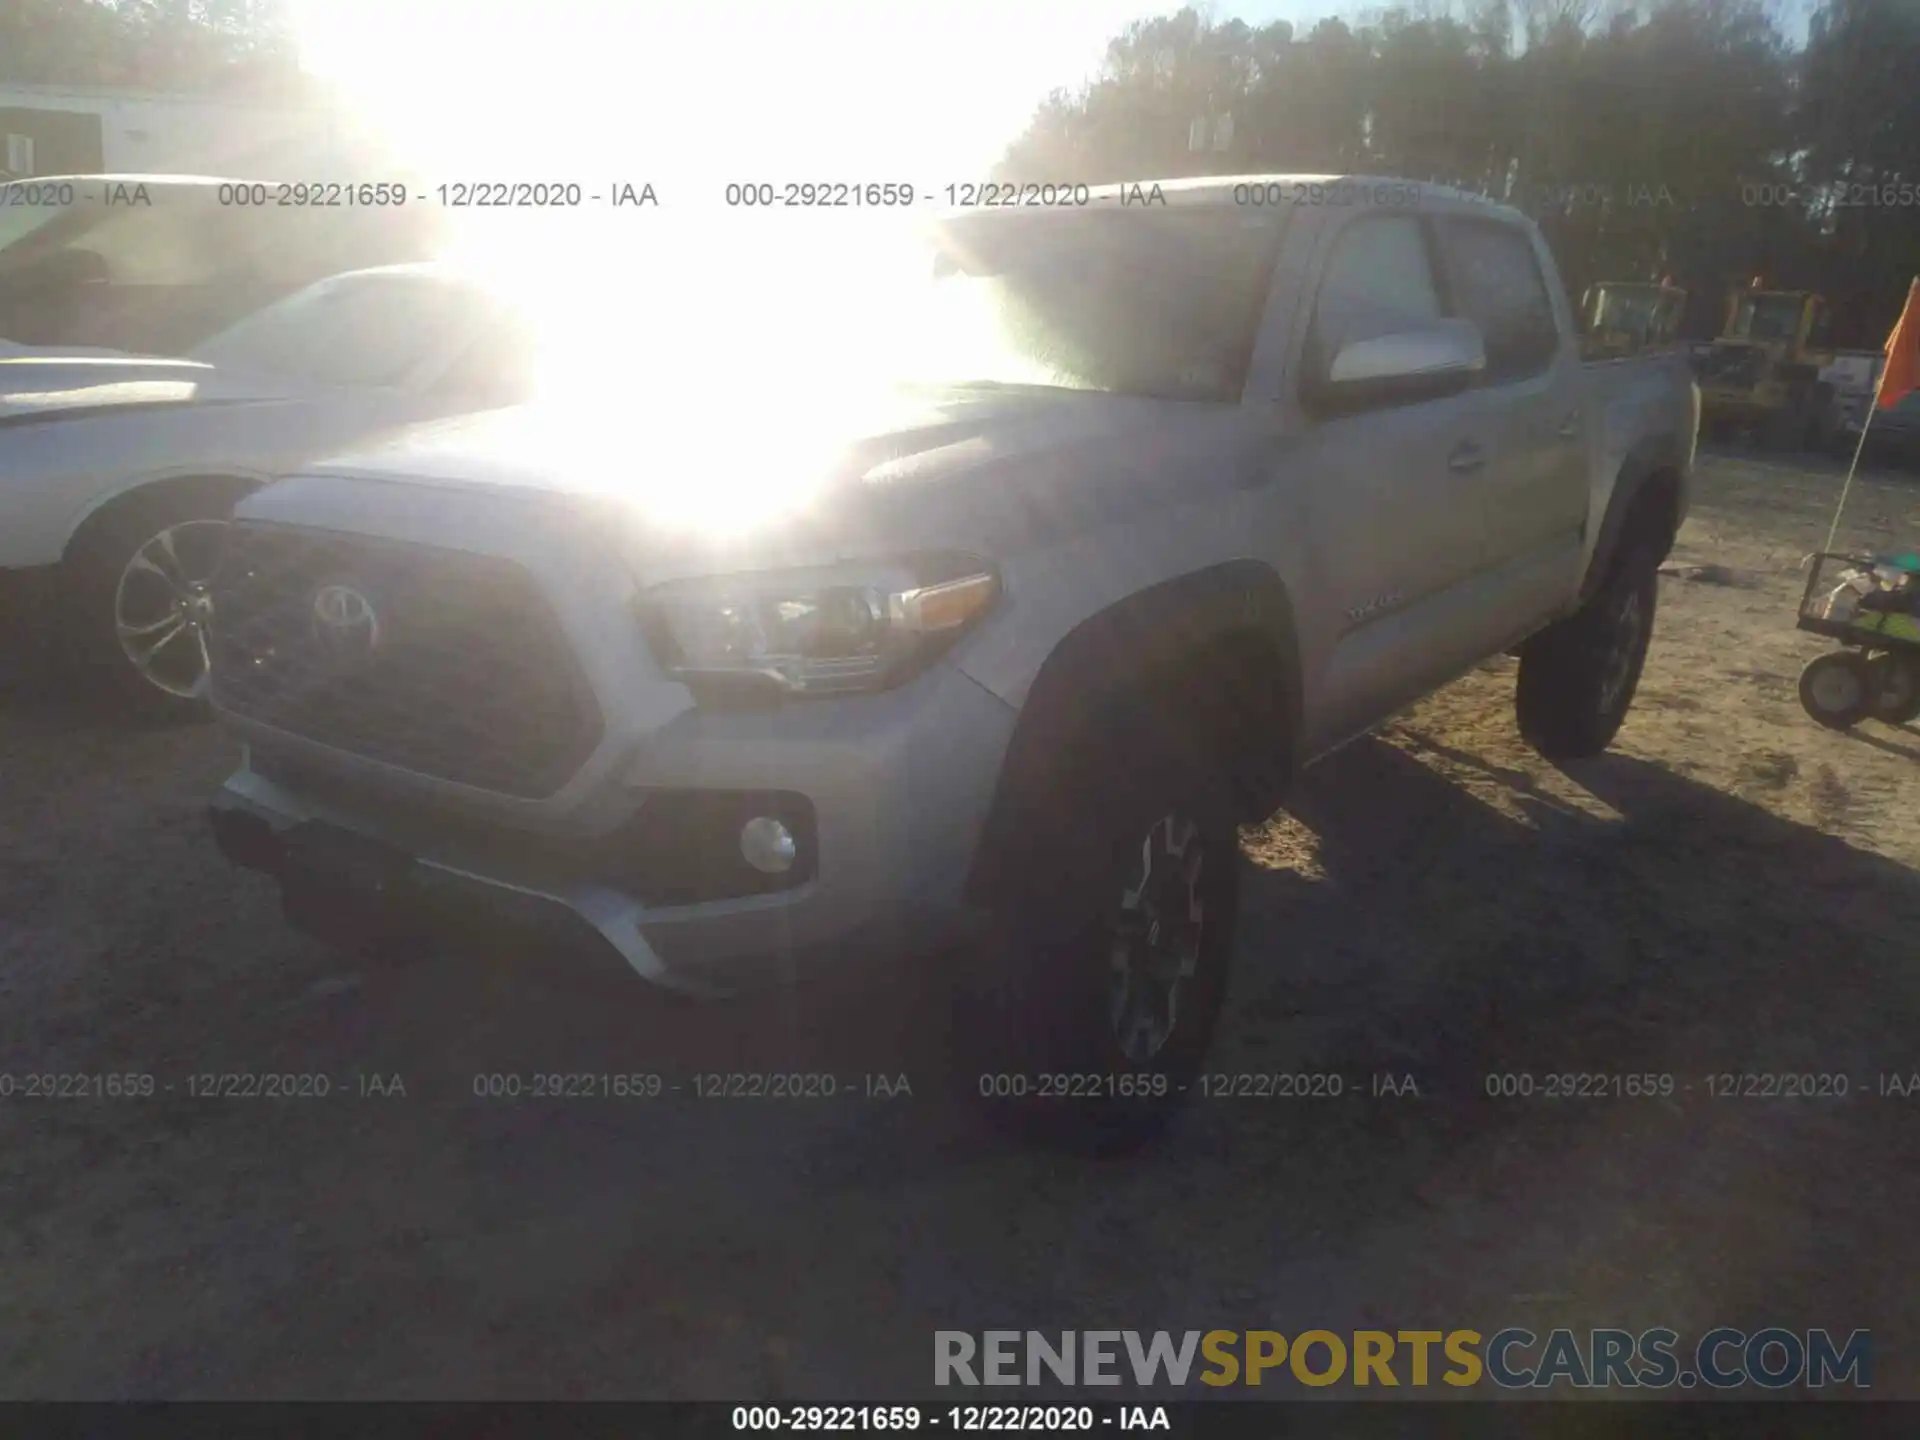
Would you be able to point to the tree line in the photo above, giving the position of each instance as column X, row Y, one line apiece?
column 241, row 49
column 1682, row 138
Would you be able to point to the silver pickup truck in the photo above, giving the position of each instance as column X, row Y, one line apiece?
column 1194, row 490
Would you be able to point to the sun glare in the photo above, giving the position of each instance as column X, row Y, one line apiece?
column 698, row 95
column 718, row 327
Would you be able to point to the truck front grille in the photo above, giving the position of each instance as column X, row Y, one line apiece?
column 439, row 661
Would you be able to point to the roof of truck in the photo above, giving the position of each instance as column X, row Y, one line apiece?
column 1292, row 188
column 135, row 179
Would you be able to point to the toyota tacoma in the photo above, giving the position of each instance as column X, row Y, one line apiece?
column 1169, row 501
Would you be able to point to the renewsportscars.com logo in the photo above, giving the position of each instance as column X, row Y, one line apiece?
column 1511, row 1359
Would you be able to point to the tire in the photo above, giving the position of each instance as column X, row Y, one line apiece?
column 1895, row 687
column 116, row 577
column 1835, row 690
column 1054, row 1027
column 1578, row 677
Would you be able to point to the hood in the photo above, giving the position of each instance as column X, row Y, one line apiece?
column 68, row 384
column 14, row 349
column 567, row 449
column 991, row 467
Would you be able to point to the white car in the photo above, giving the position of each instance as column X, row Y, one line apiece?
column 117, row 472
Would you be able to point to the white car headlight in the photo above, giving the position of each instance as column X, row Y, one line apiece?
column 815, row 632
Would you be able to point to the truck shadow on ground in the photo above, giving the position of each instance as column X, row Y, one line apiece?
column 1511, row 915
column 1444, row 937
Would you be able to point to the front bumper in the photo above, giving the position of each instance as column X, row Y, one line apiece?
column 897, row 785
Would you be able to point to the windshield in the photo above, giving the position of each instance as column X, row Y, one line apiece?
column 1626, row 309
column 139, row 232
column 1163, row 305
column 1767, row 317
column 354, row 330
column 19, row 219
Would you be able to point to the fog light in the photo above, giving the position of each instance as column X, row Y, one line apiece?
column 767, row 845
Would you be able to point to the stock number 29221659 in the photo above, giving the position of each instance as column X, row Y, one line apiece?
column 826, row 1417
column 321, row 194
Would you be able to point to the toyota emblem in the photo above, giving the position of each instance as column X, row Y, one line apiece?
column 345, row 623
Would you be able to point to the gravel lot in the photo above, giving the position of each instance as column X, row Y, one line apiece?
column 1734, row 889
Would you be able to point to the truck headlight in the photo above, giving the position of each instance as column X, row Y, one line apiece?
column 815, row 632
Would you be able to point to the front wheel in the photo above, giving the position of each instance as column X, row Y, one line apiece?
column 1836, row 690
column 139, row 609
column 1578, row 677
column 1091, row 1005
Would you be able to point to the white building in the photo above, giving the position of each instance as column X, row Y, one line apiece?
column 77, row 130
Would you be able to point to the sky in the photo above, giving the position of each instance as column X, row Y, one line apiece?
column 833, row 89
column 690, row 95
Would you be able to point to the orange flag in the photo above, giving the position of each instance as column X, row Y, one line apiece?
column 1902, row 374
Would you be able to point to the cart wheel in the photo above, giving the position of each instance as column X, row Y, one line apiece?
column 1836, row 691
column 1895, row 682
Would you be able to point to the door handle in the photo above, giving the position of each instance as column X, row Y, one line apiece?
column 1569, row 427
column 1466, row 456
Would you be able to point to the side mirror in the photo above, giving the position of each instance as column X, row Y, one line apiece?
column 1436, row 360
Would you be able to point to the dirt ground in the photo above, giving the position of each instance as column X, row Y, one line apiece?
column 1733, row 889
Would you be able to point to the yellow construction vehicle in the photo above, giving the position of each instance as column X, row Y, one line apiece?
column 1764, row 371
column 1624, row 317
